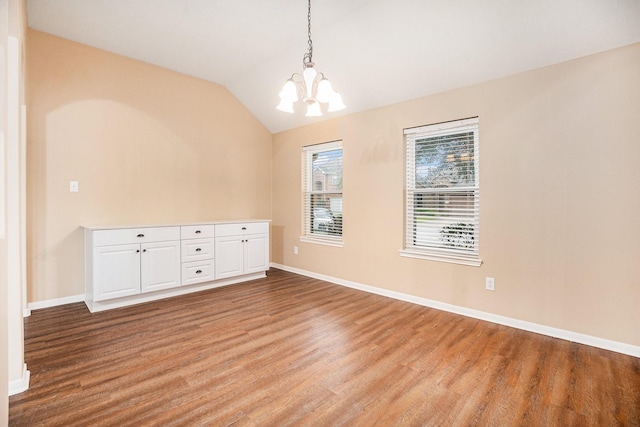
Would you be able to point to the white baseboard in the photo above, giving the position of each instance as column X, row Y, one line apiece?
column 618, row 347
column 54, row 302
column 22, row 384
column 122, row 302
column 95, row 306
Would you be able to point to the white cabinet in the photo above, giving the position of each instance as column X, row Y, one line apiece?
column 160, row 266
column 256, row 253
column 197, row 254
column 117, row 267
column 116, row 271
column 241, row 248
column 125, row 266
column 230, row 259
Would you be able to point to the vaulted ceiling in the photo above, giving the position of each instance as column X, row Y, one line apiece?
column 375, row 52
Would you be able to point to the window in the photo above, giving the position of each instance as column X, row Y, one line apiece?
column 442, row 192
column 322, row 193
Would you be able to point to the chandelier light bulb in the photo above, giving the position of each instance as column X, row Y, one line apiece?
column 325, row 91
column 289, row 91
column 336, row 104
column 313, row 109
column 285, row 105
column 309, row 74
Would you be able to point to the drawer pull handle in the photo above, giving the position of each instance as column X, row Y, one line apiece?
column 198, row 250
column 198, row 271
column 140, row 235
column 198, row 231
column 244, row 228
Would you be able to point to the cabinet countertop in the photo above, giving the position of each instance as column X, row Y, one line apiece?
column 175, row 224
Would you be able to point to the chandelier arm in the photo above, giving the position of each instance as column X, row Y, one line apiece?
column 301, row 87
column 316, row 82
column 296, row 75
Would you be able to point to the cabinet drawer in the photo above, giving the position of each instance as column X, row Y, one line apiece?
column 135, row 235
column 197, row 271
column 196, row 231
column 238, row 229
column 197, row 249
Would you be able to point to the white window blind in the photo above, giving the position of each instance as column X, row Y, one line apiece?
column 443, row 192
column 322, row 193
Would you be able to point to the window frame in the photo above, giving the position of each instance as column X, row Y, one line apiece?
column 440, row 253
column 308, row 191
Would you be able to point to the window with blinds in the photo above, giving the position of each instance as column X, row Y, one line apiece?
column 442, row 192
column 322, row 193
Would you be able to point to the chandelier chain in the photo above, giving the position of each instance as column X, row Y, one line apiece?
column 309, row 55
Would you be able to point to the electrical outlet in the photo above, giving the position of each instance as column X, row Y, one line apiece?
column 73, row 186
column 295, row 250
column 490, row 283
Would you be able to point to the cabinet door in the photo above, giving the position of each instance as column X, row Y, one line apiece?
column 229, row 257
column 256, row 253
column 160, row 266
column 116, row 271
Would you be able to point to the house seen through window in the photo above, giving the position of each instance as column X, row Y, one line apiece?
column 443, row 192
column 322, row 188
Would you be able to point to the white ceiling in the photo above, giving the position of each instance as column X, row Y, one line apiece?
column 375, row 52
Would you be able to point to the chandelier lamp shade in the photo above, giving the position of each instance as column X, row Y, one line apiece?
column 311, row 87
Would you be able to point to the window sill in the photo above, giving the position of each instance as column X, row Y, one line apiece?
column 327, row 241
column 454, row 259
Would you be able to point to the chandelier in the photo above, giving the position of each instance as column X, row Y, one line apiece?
column 313, row 87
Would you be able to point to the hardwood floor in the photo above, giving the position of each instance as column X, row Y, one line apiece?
column 290, row 350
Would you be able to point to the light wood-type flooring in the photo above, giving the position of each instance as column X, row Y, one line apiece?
column 290, row 350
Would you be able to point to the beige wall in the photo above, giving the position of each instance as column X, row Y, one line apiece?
column 147, row 145
column 560, row 197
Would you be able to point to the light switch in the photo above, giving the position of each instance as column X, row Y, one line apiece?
column 73, row 186
column 490, row 283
